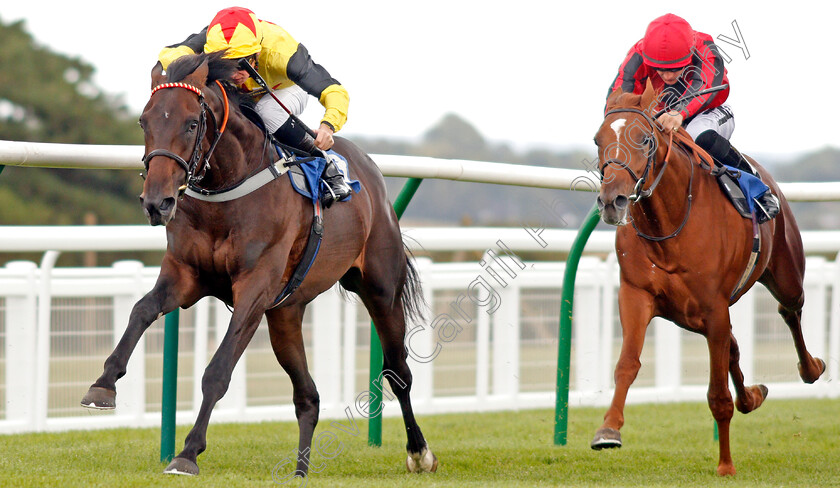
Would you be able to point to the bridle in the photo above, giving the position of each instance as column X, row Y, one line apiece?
column 192, row 177
column 638, row 190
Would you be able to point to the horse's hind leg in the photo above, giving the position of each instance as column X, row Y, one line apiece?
column 783, row 278
column 810, row 368
column 747, row 399
column 382, row 290
column 284, row 328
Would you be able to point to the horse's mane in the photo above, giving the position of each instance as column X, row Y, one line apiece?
column 626, row 100
column 219, row 68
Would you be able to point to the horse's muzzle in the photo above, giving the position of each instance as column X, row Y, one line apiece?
column 614, row 212
column 159, row 212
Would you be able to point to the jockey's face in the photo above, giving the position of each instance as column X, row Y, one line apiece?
column 241, row 76
column 670, row 76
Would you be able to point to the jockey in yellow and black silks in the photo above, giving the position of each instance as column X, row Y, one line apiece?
column 287, row 68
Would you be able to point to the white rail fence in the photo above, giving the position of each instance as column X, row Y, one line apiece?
column 493, row 346
column 486, row 344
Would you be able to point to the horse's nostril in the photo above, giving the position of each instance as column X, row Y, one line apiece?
column 621, row 202
column 166, row 204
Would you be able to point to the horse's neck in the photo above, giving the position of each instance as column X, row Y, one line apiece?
column 665, row 210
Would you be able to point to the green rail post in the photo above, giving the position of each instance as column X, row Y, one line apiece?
column 375, row 405
column 170, row 386
column 564, row 342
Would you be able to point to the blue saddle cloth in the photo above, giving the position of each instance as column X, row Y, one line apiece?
column 752, row 187
column 306, row 176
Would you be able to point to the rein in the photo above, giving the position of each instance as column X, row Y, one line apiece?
column 192, row 177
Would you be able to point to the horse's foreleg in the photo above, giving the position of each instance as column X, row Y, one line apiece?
column 720, row 400
column 747, row 399
column 216, row 379
column 284, row 327
column 636, row 311
column 168, row 293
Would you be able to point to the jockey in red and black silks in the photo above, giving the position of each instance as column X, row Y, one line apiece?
column 680, row 61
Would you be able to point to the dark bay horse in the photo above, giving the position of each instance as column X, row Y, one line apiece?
column 244, row 251
column 684, row 256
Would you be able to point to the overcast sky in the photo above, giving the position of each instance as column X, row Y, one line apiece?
column 532, row 73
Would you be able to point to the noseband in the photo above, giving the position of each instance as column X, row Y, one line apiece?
column 638, row 192
column 190, row 167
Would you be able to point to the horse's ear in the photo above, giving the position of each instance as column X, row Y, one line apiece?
column 158, row 74
column 614, row 96
column 649, row 97
column 199, row 76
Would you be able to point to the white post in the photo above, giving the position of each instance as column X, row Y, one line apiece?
column 482, row 351
column 42, row 346
column 506, row 342
column 131, row 400
column 349, row 392
column 423, row 343
column 21, row 338
column 326, row 346
column 668, row 354
column 813, row 315
column 833, row 360
column 587, row 327
column 608, row 294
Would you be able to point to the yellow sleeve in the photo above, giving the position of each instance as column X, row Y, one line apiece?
column 169, row 54
column 336, row 100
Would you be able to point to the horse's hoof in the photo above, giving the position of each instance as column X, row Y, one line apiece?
column 726, row 470
column 100, row 398
column 181, row 466
column 606, row 438
column 757, row 394
column 422, row 462
column 808, row 378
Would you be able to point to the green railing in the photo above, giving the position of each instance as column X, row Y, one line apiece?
column 564, row 340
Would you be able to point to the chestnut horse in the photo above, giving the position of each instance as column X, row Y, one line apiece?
column 244, row 251
column 684, row 256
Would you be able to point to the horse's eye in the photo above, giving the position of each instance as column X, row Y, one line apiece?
column 193, row 126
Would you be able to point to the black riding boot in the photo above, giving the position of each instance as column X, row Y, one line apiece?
column 723, row 152
column 720, row 149
column 337, row 187
column 295, row 135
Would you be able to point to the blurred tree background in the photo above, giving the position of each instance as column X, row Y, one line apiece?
column 48, row 97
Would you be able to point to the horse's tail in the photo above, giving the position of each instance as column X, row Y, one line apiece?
column 413, row 302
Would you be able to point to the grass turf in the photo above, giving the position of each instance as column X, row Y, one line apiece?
column 784, row 443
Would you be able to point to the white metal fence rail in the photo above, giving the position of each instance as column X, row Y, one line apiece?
column 493, row 345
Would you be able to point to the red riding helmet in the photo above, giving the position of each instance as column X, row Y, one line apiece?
column 668, row 43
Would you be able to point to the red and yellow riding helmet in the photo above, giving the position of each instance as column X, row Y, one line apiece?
column 235, row 30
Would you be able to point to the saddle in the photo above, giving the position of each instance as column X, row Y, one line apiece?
column 748, row 194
